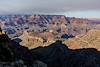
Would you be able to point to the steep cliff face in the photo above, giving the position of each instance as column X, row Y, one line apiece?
column 89, row 40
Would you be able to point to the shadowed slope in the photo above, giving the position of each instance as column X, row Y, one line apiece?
column 58, row 55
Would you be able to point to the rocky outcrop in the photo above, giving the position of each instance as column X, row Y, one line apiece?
column 30, row 41
column 89, row 40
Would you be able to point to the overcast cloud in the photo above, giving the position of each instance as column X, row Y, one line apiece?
column 48, row 6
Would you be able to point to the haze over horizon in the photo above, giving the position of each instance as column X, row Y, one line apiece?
column 70, row 8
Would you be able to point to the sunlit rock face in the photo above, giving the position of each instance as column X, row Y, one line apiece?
column 30, row 41
column 33, row 41
column 89, row 40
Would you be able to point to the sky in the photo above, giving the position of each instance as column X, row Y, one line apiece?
column 71, row 8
